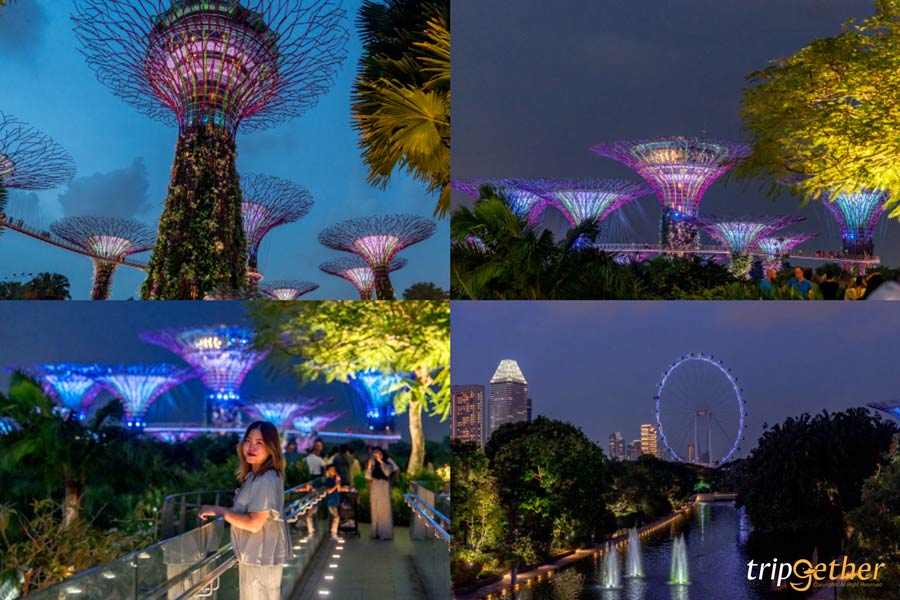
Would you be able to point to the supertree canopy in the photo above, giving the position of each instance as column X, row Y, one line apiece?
column 139, row 385
column 222, row 355
column 857, row 214
column 268, row 203
column 518, row 194
column 679, row 169
column 377, row 240
column 377, row 390
column 283, row 412
column 29, row 160
column 282, row 289
column 105, row 238
column 74, row 386
column 174, row 436
column 358, row 272
column 775, row 248
column 586, row 200
column 308, row 425
column 891, row 407
column 212, row 67
column 740, row 234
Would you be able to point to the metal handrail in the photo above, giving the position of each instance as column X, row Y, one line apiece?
column 417, row 503
column 212, row 576
column 187, row 573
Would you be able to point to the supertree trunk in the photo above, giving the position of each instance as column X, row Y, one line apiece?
column 201, row 244
column 71, row 502
column 677, row 234
column 740, row 265
column 365, row 295
column 860, row 248
column 383, row 288
column 103, row 274
column 417, row 437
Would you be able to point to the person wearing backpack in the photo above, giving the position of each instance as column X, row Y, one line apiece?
column 378, row 474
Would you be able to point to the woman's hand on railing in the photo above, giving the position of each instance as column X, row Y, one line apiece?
column 207, row 511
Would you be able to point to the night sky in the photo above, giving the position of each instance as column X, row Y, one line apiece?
column 38, row 332
column 536, row 84
column 124, row 161
column 597, row 364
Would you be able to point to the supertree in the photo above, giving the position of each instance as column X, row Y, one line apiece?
column 174, row 436
column 857, row 214
column 109, row 240
column 282, row 413
column 282, row 289
column 307, row 426
column 73, row 386
column 212, row 67
column 222, row 355
column 679, row 169
column 740, row 235
column 29, row 159
column 583, row 200
column 376, row 390
column 139, row 385
column 517, row 193
column 358, row 272
column 892, row 407
column 269, row 202
column 775, row 248
column 377, row 240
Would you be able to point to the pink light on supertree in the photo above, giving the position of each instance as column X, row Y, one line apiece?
column 282, row 413
column 286, row 290
column 73, row 386
column 269, row 202
column 29, row 159
column 774, row 249
column 174, row 436
column 139, row 385
column 105, row 238
column 679, row 169
column 857, row 214
column 517, row 193
column 358, row 272
column 307, row 426
column 740, row 235
column 586, row 200
column 377, row 240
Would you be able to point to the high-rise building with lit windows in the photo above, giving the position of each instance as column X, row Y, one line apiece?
column 509, row 396
column 467, row 413
column 616, row 446
column 649, row 436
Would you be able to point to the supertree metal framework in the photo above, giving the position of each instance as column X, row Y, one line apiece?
column 222, row 355
column 856, row 215
column 583, row 200
column 740, row 235
column 307, row 426
column 213, row 67
column 284, row 289
column 892, row 407
column 105, row 237
column 282, row 413
column 29, row 159
column 269, row 202
column 377, row 240
column 517, row 193
column 174, row 437
column 679, row 169
column 73, row 386
column 376, row 390
column 139, row 385
column 358, row 272
column 775, row 248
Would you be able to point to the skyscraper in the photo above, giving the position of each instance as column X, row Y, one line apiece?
column 466, row 415
column 616, row 446
column 509, row 396
column 648, row 440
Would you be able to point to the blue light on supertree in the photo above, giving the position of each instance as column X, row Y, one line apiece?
column 174, row 436
column 73, row 386
column 583, row 200
column 307, row 426
column 740, row 235
column 775, row 248
column 377, row 390
column 9, row 425
column 857, row 214
column 282, row 413
column 139, row 385
column 891, row 407
column 517, row 193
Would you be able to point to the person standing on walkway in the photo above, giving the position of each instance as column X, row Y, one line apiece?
column 342, row 465
column 333, row 498
column 314, row 461
column 378, row 474
column 259, row 532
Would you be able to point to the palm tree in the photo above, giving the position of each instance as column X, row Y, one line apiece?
column 401, row 95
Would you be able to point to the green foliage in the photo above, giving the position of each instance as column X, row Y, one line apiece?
column 201, row 244
column 425, row 291
column 43, row 286
column 683, row 278
column 103, row 273
column 825, row 119
column 401, row 95
column 648, row 489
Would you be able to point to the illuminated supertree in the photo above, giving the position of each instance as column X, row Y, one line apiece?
column 268, row 203
column 679, row 169
column 891, row 407
column 29, row 160
column 377, row 240
column 73, row 386
column 222, row 355
column 586, row 200
column 857, row 214
column 282, row 289
column 139, row 385
column 358, row 272
column 106, row 238
column 213, row 67
column 740, row 235
column 307, row 426
column 517, row 193
column 282, row 413
column 374, row 389
column 775, row 249
column 174, row 436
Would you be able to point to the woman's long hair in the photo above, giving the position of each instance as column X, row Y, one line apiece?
column 275, row 460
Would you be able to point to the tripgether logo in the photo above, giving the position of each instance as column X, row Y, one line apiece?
column 807, row 572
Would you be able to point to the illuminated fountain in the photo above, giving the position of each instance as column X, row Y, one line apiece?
column 678, row 573
column 610, row 573
column 633, row 565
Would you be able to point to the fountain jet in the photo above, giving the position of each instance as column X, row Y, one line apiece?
column 633, row 565
column 610, row 575
column 679, row 574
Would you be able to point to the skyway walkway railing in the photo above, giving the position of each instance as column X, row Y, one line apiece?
column 429, row 530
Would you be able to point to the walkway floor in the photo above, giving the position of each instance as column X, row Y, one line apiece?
column 364, row 569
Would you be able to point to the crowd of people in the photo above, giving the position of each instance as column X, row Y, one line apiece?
column 830, row 285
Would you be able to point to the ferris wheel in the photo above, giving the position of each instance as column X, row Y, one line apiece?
column 700, row 411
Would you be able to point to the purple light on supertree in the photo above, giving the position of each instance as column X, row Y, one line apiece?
column 307, row 426
column 269, row 202
column 139, row 385
column 282, row 413
column 740, row 235
column 222, row 355
column 679, row 169
column 775, row 248
column 583, row 200
column 73, row 386
column 376, row 390
column 377, row 240
column 29, row 159
column 517, row 193
column 857, row 214
column 358, row 272
column 283, row 289
column 892, row 407
column 109, row 240
column 174, row 436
